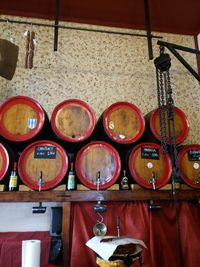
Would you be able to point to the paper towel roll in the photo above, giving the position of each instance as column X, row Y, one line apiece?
column 31, row 253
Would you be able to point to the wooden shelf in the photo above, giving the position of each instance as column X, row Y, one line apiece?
column 92, row 195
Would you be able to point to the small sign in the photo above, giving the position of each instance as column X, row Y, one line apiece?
column 149, row 153
column 194, row 155
column 45, row 152
column 32, row 123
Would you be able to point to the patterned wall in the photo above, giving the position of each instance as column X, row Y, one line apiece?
column 99, row 68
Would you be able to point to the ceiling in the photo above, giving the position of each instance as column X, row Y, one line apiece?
column 175, row 16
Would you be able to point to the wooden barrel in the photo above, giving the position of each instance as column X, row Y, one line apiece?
column 97, row 157
column 5, row 162
column 152, row 130
column 189, row 165
column 148, row 166
column 122, row 123
column 43, row 156
column 21, row 119
column 73, row 121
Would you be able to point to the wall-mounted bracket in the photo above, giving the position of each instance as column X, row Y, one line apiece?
column 172, row 48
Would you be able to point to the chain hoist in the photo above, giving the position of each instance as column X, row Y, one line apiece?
column 167, row 126
column 166, row 111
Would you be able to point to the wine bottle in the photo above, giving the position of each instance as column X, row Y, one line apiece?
column 13, row 179
column 71, row 178
column 124, row 181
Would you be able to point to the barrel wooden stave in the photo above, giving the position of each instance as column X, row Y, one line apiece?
column 5, row 162
column 53, row 169
column 22, row 120
column 152, row 130
column 73, row 121
column 142, row 169
column 97, row 157
column 122, row 123
column 189, row 169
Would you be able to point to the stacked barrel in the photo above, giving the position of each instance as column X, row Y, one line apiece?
column 121, row 139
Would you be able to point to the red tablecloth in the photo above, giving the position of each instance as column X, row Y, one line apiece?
column 11, row 247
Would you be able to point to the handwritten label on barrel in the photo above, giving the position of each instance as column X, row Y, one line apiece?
column 149, row 153
column 194, row 155
column 45, row 152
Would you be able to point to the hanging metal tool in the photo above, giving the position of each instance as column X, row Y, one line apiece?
column 99, row 229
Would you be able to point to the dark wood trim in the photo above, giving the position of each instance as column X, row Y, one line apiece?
column 66, row 233
column 93, row 195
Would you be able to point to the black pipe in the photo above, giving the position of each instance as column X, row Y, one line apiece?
column 184, row 62
column 148, row 29
column 78, row 28
column 57, row 12
column 172, row 48
column 179, row 47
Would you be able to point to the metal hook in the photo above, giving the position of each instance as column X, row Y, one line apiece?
column 100, row 217
column 162, row 49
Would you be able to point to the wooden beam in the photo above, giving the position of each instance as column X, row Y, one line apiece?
column 66, row 233
column 93, row 195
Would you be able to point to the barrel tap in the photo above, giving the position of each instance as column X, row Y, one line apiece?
column 40, row 182
column 40, row 208
column 153, row 180
column 99, row 207
column 197, row 181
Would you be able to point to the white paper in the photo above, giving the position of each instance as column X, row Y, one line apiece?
column 31, row 253
column 106, row 249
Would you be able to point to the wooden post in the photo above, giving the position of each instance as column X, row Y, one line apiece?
column 66, row 233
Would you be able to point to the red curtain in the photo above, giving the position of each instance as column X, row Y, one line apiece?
column 157, row 228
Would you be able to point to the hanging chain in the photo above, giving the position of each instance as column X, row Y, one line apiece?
column 161, row 110
column 171, row 127
column 164, row 94
column 166, row 110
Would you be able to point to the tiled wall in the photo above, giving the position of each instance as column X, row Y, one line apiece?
column 99, row 68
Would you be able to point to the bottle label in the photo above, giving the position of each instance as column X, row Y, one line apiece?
column 13, row 182
column 71, row 182
column 124, row 183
